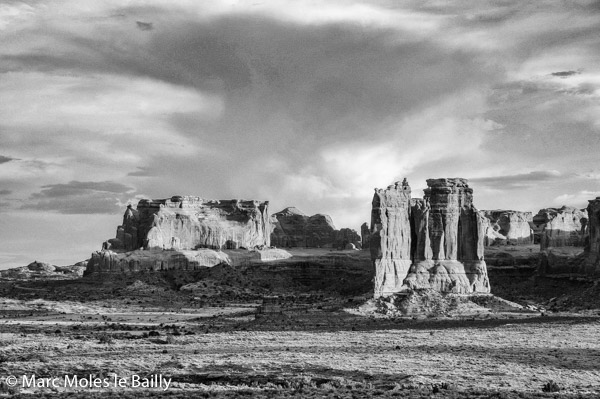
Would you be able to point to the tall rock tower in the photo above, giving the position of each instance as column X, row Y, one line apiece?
column 439, row 237
column 390, row 237
column 592, row 248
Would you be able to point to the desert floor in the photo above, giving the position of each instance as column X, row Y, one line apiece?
column 308, row 351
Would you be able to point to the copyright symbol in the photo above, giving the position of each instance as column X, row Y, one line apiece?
column 11, row 381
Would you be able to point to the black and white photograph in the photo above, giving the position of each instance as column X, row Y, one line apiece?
column 300, row 199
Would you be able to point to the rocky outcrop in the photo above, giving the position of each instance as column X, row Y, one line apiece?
column 365, row 235
column 391, row 237
column 592, row 247
column 43, row 270
column 292, row 228
column 432, row 243
column 152, row 260
column 185, row 223
column 347, row 239
column 508, row 227
column 269, row 270
column 559, row 227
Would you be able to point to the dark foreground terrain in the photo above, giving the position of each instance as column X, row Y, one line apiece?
column 209, row 340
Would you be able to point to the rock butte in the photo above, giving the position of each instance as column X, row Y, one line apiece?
column 592, row 248
column 508, row 227
column 292, row 228
column 560, row 227
column 188, row 222
column 436, row 242
column 188, row 233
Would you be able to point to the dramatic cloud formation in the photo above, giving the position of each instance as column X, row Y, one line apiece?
column 80, row 197
column 306, row 104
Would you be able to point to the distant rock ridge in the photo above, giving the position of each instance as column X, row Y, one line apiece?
column 560, row 227
column 188, row 222
column 44, row 270
column 431, row 243
column 293, row 228
column 508, row 227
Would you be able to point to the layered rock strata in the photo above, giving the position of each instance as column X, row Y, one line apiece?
column 432, row 243
column 560, row 227
column 267, row 270
column 592, row 247
column 292, row 228
column 155, row 260
column 509, row 227
column 185, row 223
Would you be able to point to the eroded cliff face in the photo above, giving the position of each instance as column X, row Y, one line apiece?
column 560, row 227
column 185, row 223
column 391, row 237
column 592, row 247
column 436, row 242
column 292, row 228
column 509, row 227
column 155, row 260
column 347, row 239
column 365, row 235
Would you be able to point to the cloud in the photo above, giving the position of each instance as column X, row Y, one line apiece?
column 142, row 172
column 518, row 181
column 144, row 25
column 5, row 192
column 564, row 74
column 78, row 197
column 579, row 199
column 4, row 159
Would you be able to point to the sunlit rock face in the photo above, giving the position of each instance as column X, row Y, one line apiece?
column 391, row 237
column 592, row 248
column 560, row 227
column 509, row 227
column 436, row 242
column 185, row 223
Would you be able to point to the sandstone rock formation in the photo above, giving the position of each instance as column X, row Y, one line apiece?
column 347, row 238
column 509, row 227
column 271, row 269
column 431, row 243
column 558, row 227
column 192, row 222
column 592, row 247
column 107, row 261
column 44, row 270
column 365, row 235
column 292, row 228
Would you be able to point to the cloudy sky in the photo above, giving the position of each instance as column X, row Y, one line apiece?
column 304, row 103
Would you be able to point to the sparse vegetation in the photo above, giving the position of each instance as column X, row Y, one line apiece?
column 551, row 386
